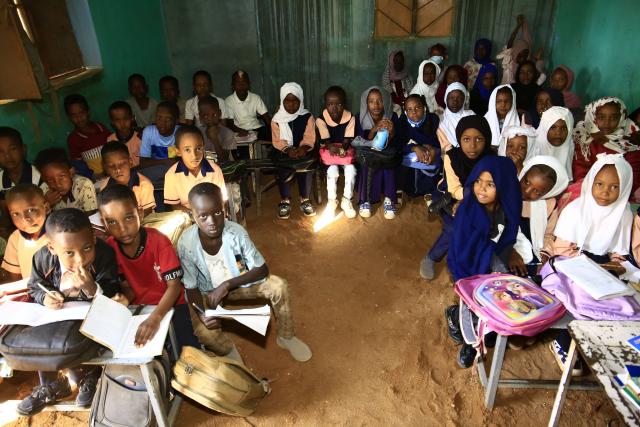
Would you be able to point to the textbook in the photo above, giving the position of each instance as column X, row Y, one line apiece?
column 628, row 381
column 593, row 279
column 114, row 326
column 34, row 314
column 635, row 343
column 254, row 318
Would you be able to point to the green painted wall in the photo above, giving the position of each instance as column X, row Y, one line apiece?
column 598, row 41
column 132, row 39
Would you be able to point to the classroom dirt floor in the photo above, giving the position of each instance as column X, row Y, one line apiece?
column 381, row 353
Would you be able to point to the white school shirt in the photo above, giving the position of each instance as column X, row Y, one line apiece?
column 217, row 266
column 191, row 109
column 245, row 113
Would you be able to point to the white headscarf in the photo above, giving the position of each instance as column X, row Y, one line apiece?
column 511, row 119
column 600, row 229
column 509, row 132
column 282, row 117
column 563, row 153
column 449, row 118
column 539, row 215
column 428, row 91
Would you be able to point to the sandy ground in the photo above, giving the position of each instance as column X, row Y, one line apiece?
column 381, row 352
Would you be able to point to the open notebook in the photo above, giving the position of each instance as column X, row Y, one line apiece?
column 254, row 318
column 114, row 326
column 34, row 314
column 593, row 279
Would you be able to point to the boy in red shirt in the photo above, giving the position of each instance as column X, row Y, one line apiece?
column 148, row 263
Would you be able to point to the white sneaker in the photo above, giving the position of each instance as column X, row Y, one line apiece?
column 365, row 210
column 332, row 205
column 299, row 350
column 389, row 209
column 347, row 207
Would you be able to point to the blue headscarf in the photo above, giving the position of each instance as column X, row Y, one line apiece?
column 487, row 44
column 471, row 249
column 484, row 92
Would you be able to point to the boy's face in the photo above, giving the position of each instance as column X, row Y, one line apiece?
column 58, row 177
column 209, row 115
column 118, row 166
column 169, row 92
column 78, row 115
column 74, row 250
column 202, row 86
column 208, row 213
column 191, row 150
column 28, row 212
column 138, row 88
column 12, row 153
column 241, row 87
column 121, row 121
column 165, row 121
column 121, row 218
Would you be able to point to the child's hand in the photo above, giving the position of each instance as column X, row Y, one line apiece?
column 121, row 298
column 333, row 149
column 82, row 279
column 53, row 197
column 54, row 302
column 147, row 330
column 516, row 264
column 292, row 153
column 518, row 159
column 215, row 297
column 454, row 208
column 243, row 132
column 210, row 322
column 421, row 153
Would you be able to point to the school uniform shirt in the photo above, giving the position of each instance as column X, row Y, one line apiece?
column 133, row 143
column 245, row 113
column 178, row 181
column 225, row 136
column 82, row 195
column 30, row 175
column 143, row 117
column 191, row 109
column 88, row 146
column 336, row 132
column 149, row 270
column 141, row 187
column 239, row 253
column 48, row 271
column 157, row 146
column 303, row 131
column 18, row 255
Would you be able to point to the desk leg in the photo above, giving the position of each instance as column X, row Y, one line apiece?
column 153, row 388
column 494, row 374
column 258, row 185
column 565, row 381
column 232, row 204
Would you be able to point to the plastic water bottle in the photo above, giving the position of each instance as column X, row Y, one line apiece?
column 380, row 140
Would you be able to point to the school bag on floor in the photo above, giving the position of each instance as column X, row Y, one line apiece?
column 506, row 304
column 121, row 397
column 219, row 383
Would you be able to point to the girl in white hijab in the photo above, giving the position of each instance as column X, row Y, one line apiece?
column 599, row 221
column 502, row 111
column 428, row 90
column 516, row 142
column 450, row 118
column 553, row 137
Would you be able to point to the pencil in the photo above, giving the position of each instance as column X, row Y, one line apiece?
column 51, row 294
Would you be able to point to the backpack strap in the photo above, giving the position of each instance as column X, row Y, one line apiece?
column 472, row 334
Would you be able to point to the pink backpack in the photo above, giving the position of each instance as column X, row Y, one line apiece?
column 508, row 305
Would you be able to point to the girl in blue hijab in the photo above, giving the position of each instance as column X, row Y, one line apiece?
column 481, row 56
column 481, row 93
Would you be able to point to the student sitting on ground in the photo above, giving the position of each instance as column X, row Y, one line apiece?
column 148, row 263
column 144, row 108
column 62, row 187
column 159, row 139
column 87, row 137
column 553, row 137
column 218, row 139
column 170, row 92
column 456, row 100
column 117, row 165
column 202, row 87
column 502, row 112
column 121, row 117
column 517, row 143
column 191, row 169
column 28, row 210
column 14, row 168
column 293, row 135
column 246, row 109
column 337, row 127
column 427, row 83
column 75, row 266
column 221, row 263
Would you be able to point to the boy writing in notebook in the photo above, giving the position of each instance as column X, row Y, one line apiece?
column 148, row 263
column 74, row 266
column 221, row 263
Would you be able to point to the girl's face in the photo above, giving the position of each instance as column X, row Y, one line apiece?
column 534, row 185
column 472, row 143
column 334, row 105
column 558, row 133
column 606, row 186
column 504, row 102
column 398, row 61
column 291, row 103
column 527, row 74
column 517, row 147
column 452, row 76
column 429, row 74
column 559, row 79
column 455, row 100
column 375, row 104
column 543, row 102
column 607, row 117
column 414, row 109
column 489, row 81
column 481, row 51
column 485, row 190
